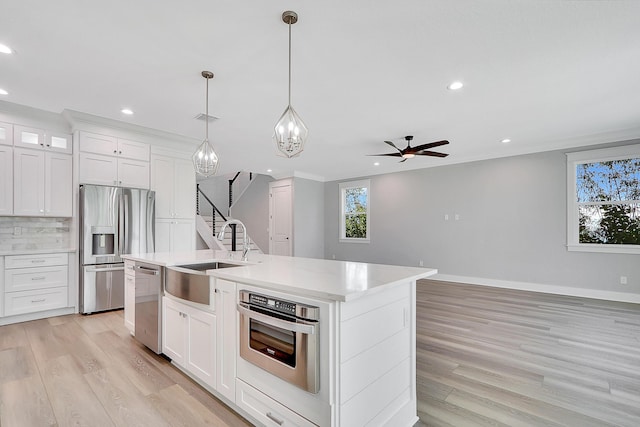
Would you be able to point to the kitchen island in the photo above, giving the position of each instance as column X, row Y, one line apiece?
column 353, row 365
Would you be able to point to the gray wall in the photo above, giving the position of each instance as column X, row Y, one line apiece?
column 217, row 190
column 512, row 224
column 252, row 208
column 308, row 218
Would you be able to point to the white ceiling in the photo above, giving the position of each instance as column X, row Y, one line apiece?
column 547, row 74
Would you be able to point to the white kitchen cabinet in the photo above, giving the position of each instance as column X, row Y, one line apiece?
column 175, row 235
column 42, row 183
column 107, row 160
column 226, row 337
column 130, row 296
column 35, row 283
column 174, row 338
column 112, row 146
column 99, row 169
column 35, row 138
column 189, row 339
column 266, row 410
column 174, row 181
column 6, row 133
column 6, row 180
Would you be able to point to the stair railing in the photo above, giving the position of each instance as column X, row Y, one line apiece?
column 214, row 212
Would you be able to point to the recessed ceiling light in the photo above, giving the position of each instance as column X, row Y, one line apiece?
column 126, row 111
column 455, row 85
column 506, row 141
column 5, row 49
column 3, row 92
column 269, row 170
column 376, row 164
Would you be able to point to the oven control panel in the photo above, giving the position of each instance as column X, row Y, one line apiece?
column 282, row 306
column 274, row 304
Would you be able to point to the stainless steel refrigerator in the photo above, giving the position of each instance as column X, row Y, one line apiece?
column 113, row 221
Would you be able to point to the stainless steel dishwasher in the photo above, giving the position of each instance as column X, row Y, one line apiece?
column 148, row 306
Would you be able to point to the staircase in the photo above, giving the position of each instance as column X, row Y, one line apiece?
column 209, row 222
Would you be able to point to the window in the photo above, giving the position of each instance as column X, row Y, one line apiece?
column 604, row 200
column 354, row 211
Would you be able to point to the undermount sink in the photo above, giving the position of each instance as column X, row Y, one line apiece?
column 190, row 282
column 208, row 266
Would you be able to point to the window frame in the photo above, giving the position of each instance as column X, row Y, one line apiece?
column 363, row 183
column 573, row 227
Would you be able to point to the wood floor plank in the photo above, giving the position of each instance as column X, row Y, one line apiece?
column 181, row 409
column 565, row 360
column 24, row 403
column 72, row 399
column 16, row 363
column 118, row 396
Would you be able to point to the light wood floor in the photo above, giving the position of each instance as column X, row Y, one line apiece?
column 87, row 371
column 486, row 356
column 496, row 357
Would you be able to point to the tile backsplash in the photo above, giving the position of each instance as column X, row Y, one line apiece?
column 30, row 233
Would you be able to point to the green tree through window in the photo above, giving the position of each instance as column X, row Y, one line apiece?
column 608, row 196
column 354, row 211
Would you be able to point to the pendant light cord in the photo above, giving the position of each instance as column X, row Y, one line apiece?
column 289, row 62
column 206, row 113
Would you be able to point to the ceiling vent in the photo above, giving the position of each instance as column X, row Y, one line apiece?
column 204, row 117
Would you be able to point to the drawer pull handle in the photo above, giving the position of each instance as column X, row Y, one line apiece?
column 38, row 278
column 39, row 300
column 37, row 260
column 275, row 419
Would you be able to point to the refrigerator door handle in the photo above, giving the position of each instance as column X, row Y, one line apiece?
column 120, row 225
column 127, row 243
column 100, row 270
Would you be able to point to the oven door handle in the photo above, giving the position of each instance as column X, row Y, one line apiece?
column 303, row 328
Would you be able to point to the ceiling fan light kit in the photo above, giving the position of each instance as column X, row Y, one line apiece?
column 410, row 152
column 290, row 132
column 205, row 159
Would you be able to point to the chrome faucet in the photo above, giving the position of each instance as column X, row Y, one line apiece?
column 245, row 237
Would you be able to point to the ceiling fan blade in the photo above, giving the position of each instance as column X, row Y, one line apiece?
column 387, row 154
column 430, row 145
column 392, row 144
column 431, row 153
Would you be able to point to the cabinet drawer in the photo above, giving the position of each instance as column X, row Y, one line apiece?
column 266, row 410
column 31, row 301
column 24, row 279
column 41, row 260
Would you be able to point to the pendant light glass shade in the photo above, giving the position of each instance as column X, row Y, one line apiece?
column 205, row 159
column 290, row 133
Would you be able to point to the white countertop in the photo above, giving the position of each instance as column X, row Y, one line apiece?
column 327, row 279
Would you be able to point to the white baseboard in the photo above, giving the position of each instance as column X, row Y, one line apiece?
column 538, row 287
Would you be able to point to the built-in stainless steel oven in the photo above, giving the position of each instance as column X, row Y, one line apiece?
column 281, row 337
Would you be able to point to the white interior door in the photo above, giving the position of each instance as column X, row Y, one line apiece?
column 280, row 218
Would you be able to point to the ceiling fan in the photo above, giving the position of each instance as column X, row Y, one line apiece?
column 410, row 152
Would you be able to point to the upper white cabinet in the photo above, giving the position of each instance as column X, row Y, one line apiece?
column 106, row 160
column 112, row 146
column 6, row 133
column 6, row 180
column 174, row 181
column 28, row 137
column 42, row 183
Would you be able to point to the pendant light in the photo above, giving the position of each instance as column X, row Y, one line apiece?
column 290, row 133
column 205, row 159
